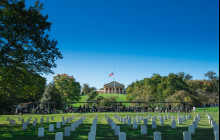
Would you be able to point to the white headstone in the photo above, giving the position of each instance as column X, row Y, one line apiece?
column 91, row 136
column 157, row 135
column 58, row 125
column 139, row 120
column 216, row 128
column 24, row 125
column 125, row 121
column 117, row 130
column 216, row 133
column 161, row 121
column 145, row 122
column 67, row 120
column 129, row 121
column 213, row 123
column 73, row 127
column 186, row 135
column 179, row 121
column 135, row 125
column 173, row 123
column 113, row 125
column 63, row 123
column 19, row 118
column 191, row 129
column 143, row 129
column 28, row 121
column 51, row 127
column 195, row 124
column 154, row 124
column 47, row 119
column 122, row 136
column 34, row 123
column 59, row 136
column 67, row 131
column 40, row 132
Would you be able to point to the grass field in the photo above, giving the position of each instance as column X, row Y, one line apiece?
column 120, row 97
column 203, row 132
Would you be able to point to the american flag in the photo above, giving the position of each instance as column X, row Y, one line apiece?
column 111, row 74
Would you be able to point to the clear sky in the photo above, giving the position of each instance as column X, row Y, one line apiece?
column 142, row 37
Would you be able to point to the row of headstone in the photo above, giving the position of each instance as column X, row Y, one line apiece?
column 122, row 135
column 92, row 133
column 214, row 126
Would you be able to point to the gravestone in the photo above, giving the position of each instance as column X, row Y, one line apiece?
column 40, row 132
column 186, row 135
column 58, row 125
column 59, row 136
column 191, row 129
column 51, row 127
column 73, row 127
column 125, row 121
column 210, row 120
column 67, row 131
column 47, row 119
column 113, row 125
column 117, row 130
column 216, row 133
column 67, row 120
column 42, row 120
column 168, row 116
column 173, row 124
column 52, row 118
column 24, row 125
column 173, row 117
column 135, row 125
column 122, row 136
column 179, row 121
column 213, row 123
column 216, row 128
column 139, row 120
column 28, row 121
column 19, row 118
column 36, row 120
column 91, row 136
column 143, row 129
column 161, row 121
column 195, row 124
column 129, row 121
column 63, row 123
column 34, row 123
column 145, row 122
column 154, row 124
column 165, row 117
column 157, row 135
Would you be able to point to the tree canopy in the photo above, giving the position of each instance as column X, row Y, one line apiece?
column 68, row 87
column 24, row 39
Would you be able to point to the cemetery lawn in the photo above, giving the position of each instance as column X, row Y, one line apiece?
column 104, row 132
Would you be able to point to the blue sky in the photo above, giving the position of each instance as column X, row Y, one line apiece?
column 143, row 37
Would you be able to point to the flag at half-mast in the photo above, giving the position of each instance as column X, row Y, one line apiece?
column 111, row 74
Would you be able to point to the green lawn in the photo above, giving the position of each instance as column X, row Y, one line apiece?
column 104, row 132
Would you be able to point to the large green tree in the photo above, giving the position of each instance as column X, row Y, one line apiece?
column 24, row 39
column 51, row 94
column 25, row 52
column 68, row 87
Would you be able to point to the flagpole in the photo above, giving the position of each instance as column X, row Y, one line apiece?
column 114, row 75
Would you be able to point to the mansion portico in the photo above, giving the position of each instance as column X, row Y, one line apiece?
column 114, row 87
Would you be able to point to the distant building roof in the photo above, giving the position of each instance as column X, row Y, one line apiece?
column 114, row 83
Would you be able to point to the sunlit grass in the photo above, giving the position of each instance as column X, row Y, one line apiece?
column 104, row 132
